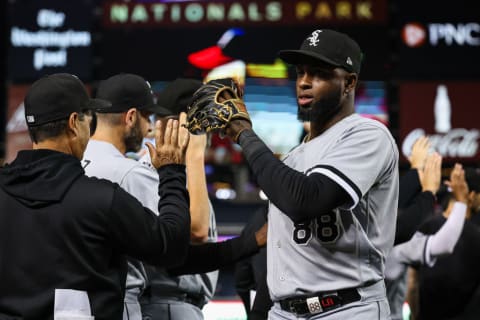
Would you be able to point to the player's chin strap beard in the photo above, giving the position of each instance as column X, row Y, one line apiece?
column 321, row 111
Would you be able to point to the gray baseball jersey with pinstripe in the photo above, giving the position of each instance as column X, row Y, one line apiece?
column 345, row 248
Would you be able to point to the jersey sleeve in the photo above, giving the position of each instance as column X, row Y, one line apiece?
column 444, row 241
column 424, row 249
column 362, row 156
column 414, row 251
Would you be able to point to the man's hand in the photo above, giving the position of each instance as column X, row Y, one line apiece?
column 419, row 153
column 170, row 143
column 430, row 176
column 458, row 184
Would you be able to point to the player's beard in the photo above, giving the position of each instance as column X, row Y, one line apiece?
column 134, row 138
column 322, row 110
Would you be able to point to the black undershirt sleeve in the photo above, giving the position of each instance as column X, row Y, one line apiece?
column 215, row 255
column 164, row 238
column 410, row 218
column 299, row 196
column 409, row 187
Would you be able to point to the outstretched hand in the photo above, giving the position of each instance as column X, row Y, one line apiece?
column 458, row 184
column 170, row 143
column 419, row 154
column 431, row 175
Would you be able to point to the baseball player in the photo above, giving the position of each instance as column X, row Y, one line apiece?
column 333, row 199
column 454, row 279
column 119, row 130
column 424, row 249
column 183, row 297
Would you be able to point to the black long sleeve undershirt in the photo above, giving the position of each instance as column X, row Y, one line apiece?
column 411, row 217
column 215, row 255
column 299, row 196
column 409, row 187
column 414, row 206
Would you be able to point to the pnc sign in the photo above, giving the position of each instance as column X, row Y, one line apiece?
column 415, row 34
column 244, row 13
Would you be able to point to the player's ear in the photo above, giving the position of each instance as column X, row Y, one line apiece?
column 73, row 124
column 131, row 117
column 350, row 81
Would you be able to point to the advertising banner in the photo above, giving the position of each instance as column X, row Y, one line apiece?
column 446, row 113
column 49, row 37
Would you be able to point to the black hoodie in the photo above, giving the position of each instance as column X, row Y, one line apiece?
column 62, row 230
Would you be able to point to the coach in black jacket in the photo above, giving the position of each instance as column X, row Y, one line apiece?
column 62, row 230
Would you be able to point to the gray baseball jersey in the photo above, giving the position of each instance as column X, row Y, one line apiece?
column 347, row 247
column 203, row 284
column 102, row 160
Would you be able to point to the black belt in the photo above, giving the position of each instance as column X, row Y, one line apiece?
column 153, row 295
column 319, row 302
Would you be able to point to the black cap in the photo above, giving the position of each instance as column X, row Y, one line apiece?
column 55, row 97
column 176, row 96
column 329, row 46
column 126, row 91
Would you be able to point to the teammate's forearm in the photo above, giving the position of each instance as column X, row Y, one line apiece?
column 199, row 203
column 299, row 196
column 220, row 254
column 159, row 240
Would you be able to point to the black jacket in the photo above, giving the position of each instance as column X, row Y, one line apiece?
column 61, row 229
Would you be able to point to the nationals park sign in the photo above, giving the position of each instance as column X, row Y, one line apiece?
column 244, row 13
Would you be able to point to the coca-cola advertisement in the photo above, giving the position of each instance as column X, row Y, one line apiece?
column 445, row 112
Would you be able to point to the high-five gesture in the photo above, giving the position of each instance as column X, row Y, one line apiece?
column 170, row 143
column 431, row 175
column 419, row 153
column 458, row 183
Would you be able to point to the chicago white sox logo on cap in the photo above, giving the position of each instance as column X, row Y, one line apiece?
column 314, row 38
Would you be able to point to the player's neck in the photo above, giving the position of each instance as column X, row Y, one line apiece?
column 110, row 136
column 316, row 129
column 59, row 144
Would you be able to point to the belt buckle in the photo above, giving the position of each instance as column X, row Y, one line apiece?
column 297, row 306
column 323, row 303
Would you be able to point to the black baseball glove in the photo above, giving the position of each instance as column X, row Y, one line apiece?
column 214, row 106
